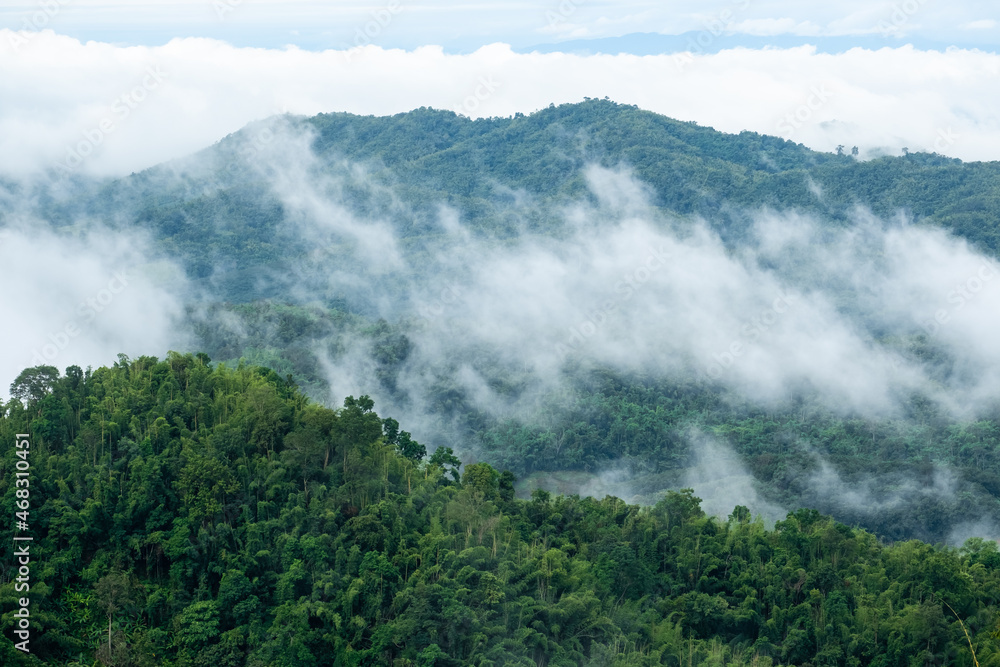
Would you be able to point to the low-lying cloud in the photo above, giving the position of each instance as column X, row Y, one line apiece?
column 801, row 306
column 84, row 296
column 722, row 482
column 861, row 317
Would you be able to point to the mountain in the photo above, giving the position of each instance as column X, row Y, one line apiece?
column 190, row 514
column 593, row 297
column 433, row 157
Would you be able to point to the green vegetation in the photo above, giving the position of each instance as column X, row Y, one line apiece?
column 505, row 176
column 219, row 213
column 643, row 424
column 187, row 514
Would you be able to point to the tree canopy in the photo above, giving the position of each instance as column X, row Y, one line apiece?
column 191, row 514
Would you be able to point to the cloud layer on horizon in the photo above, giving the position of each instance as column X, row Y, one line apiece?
column 110, row 110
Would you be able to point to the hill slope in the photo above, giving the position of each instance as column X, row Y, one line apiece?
column 470, row 276
column 185, row 514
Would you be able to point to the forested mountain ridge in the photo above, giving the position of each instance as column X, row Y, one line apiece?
column 191, row 514
column 690, row 168
column 385, row 253
column 429, row 157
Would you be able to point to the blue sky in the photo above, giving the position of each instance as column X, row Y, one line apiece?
column 461, row 27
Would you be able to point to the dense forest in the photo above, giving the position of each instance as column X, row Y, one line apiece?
column 191, row 513
column 642, row 423
column 310, row 245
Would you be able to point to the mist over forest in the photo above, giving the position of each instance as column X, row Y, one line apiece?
column 597, row 299
column 591, row 289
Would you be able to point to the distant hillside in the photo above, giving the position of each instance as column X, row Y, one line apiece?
column 429, row 157
column 185, row 514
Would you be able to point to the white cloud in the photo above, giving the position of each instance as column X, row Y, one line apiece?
column 801, row 307
column 770, row 27
column 57, row 93
column 982, row 24
column 722, row 482
column 84, row 298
